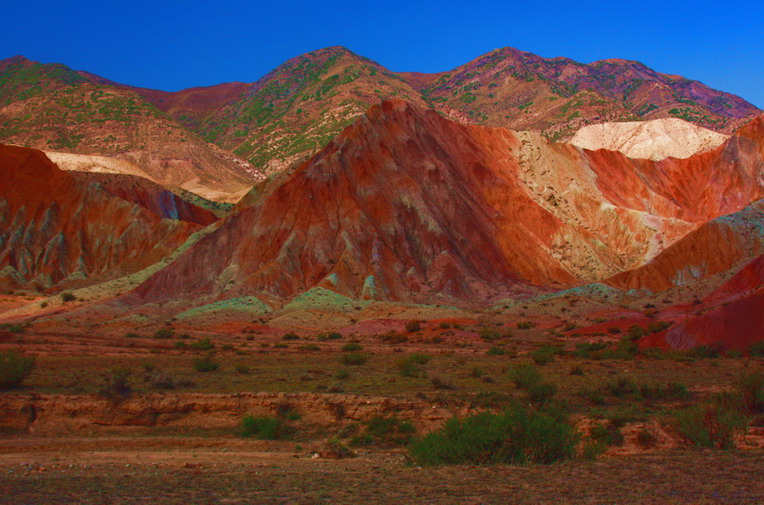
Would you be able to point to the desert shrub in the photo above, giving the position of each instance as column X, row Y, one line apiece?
column 413, row 326
column 132, row 335
column 351, row 347
column 757, row 349
column 68, row 297
column 444, row 325
column 541, row 393
column 354, row 358
column 164, row 333
column 608, row 433
column 516, row 436
column 733, row 353
column 328, row 336
column 621, row 386
column 440, row 383
column 290, row 336
column 393, row 337
column 545, row 354
column 204, row 344
column 524, row 375
column 658, row 326
column 576, row 370
column 286, row 410
column 488, row 334
column 713, row 425
column 706, row 351
column 750, row 387
column 409, row 366
column 585, row 349
column 671, row 391
column 264, row 428
column 242, row 369
column 116, row 384
column 342, row 374
column 206, row 364
column 635, row 332
column 14, row 368
column 495, row 351
column 476, row 372
column 524, row 325
column 385, row 431
column 334, row 449
column 181, row 345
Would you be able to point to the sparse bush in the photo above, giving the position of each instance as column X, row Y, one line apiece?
column 351, row 347
column 67, row 297
column 576, row 370
column 608, row 434
column 476, row 372
column 328, row 336
column 14, row 368
column 706, row 351
column 658, row 326
column 132, row 335
column 495, row 351
column 393, row 337
column 334, row 449
column 757, row 349
column 439, row 383
column 242, row 369
column 585, row 349
column 164, row 333
column 635, row 332
column 621, row 386
column 342, row 374
column 264, row 428
column 524, row 325
column 355, row 358
column 206, row 364
column 713, row 425
column 385, row 431
column 545, row 354
column 541, row 393
column 751, row 389
column 516, row 436
column 646, row 438
column 310, row 347
column 525, row 375
column 204, row 344
column 290, row 336
column 116, row 385
column 413, row 326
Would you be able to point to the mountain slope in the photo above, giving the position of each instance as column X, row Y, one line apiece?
column 56, row 231
column 378, row 214
column 557, row 96
column 52, row 107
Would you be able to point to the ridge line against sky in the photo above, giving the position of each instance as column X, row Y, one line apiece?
column 173, row 45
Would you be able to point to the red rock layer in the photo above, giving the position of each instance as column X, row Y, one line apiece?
column 149, row 195
column 736, row 322
column 56, row 230
column 407, row 205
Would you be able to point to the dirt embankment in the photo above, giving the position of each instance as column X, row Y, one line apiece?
column 55, row 413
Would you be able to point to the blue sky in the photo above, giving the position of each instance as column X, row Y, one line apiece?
column 172, row 45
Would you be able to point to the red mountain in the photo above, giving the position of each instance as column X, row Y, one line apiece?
column 407, row 205
column 56, row 230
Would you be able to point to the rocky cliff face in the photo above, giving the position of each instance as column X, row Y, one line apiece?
column 58, row 231
column 407, row 205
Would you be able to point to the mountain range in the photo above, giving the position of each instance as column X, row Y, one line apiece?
column 332, row 174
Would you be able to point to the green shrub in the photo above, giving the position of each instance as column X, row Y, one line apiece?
column 14, row 368
column 706, row 351
column 410, row 365
column 751, row 389
column 516, row 436
column 132, row 335
column 585, row 349
column 713, row 425
column 545, row 354
column 328, row 336
column 351, row 347
column 342, row 374
column 635, row 332
column 203, row 344
column 541, row 393
column 413, row 326
column 621, row 386
column 658, row 326
column 495, row 351
column 524, row 325
column 206, row 364
column 524, row 375
column 68, row 297
column 242, row 369
column 386, row 431
column 757, row 349
column 290, row 336
column 608, row 434
column 164, row 333
column 354, row 358
column 264, row 428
